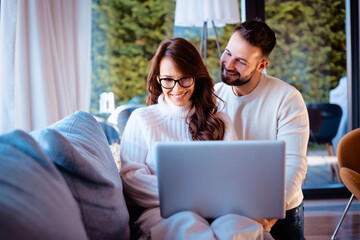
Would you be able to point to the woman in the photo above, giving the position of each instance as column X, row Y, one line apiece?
column 181, row 107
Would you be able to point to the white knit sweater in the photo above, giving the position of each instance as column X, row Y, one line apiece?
column 146, row 126
column 274, row 110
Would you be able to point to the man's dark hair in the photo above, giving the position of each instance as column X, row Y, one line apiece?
column 258, row 34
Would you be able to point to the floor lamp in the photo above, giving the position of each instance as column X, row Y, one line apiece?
column 206, row 14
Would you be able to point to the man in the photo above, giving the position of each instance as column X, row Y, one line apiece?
column 263, row 107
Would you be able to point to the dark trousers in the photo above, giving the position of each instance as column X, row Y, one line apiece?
column 291, row 227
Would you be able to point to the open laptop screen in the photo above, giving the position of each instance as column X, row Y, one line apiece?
column 214, row 178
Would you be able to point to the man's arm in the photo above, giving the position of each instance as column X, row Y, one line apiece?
column 293, row 128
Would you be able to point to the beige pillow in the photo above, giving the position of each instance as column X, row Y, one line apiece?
column 115, row 150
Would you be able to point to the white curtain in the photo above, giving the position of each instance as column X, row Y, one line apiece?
column 45, row 61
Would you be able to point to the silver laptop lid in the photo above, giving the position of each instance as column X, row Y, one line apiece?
column 214, row 178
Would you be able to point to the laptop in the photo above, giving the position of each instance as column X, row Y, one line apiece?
column 214, row 178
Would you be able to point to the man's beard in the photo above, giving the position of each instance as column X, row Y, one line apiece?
column 239, row 81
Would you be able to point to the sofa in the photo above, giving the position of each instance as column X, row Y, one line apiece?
column 61, row 182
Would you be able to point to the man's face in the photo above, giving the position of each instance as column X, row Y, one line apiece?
column 240, row 61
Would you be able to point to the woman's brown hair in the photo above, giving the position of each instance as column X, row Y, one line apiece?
column 203, row 122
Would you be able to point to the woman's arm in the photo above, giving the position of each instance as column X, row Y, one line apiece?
column 140, row 183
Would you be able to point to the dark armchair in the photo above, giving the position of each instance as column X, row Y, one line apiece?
column 324, row 123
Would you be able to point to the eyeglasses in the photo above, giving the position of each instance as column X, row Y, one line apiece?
column 169, row 83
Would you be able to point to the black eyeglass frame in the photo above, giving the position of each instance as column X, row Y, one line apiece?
column 176, row 81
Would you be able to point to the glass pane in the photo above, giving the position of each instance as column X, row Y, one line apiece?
column 311, row 55
column 125, row 35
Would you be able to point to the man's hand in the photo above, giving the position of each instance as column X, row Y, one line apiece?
column 266, row 223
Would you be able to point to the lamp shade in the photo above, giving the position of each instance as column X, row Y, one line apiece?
column 190, row 13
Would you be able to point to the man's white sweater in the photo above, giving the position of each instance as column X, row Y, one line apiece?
column 274, row 110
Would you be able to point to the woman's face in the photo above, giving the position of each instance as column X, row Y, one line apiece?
column 178, row 95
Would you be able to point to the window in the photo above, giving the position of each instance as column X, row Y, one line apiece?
column 311, row 55
column 126, row 34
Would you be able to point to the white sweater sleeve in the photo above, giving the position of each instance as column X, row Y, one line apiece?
column 140, row 183
column 293, row 128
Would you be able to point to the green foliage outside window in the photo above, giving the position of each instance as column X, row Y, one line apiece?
column 311, row 43
column 125, row 35
column 310, row 52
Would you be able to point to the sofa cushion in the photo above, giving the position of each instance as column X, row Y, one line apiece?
column 79, row 148
column 35, row 201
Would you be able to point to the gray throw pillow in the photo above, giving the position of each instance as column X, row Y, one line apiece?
column 79, row 148
column 35, row 201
